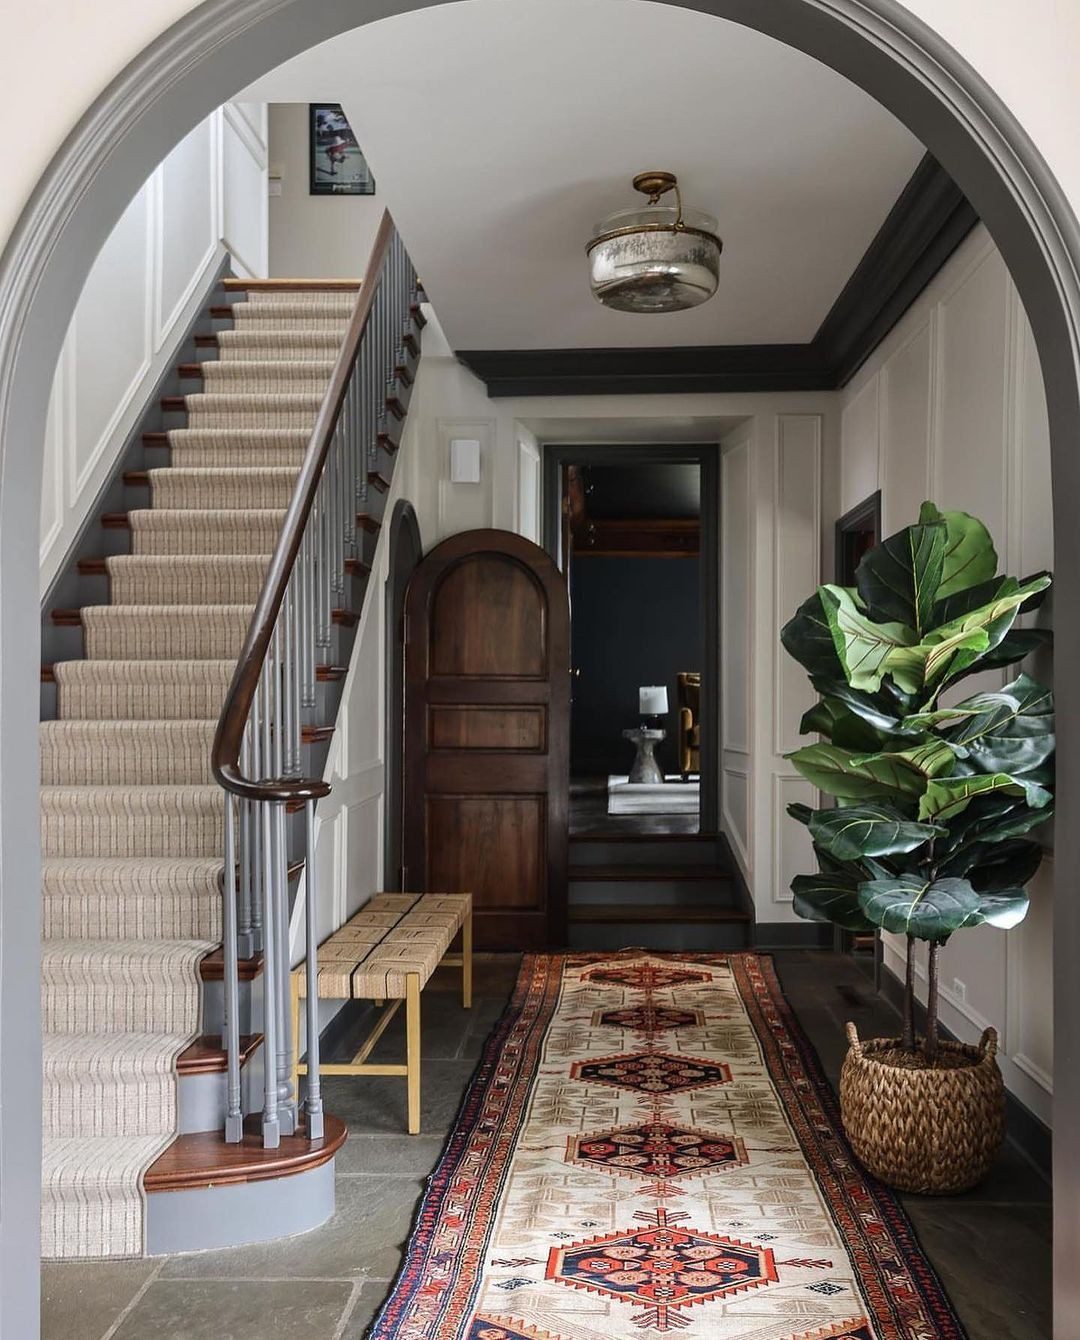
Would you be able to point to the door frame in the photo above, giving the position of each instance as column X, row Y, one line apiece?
column 405, row 550
column 706, row 456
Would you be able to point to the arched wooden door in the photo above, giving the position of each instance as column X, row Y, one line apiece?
column 487, row 724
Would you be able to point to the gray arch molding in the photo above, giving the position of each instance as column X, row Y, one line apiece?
column 200, row 62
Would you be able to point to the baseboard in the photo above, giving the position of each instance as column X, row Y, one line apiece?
column 1028, row 1133
column 792, row 935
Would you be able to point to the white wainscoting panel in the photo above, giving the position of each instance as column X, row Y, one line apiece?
column 793, row 853
column 796, row 561
column 963, row 421
column 859, row 440
column 138, row 300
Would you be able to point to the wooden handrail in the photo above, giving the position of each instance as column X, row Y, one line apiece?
column 228, row 740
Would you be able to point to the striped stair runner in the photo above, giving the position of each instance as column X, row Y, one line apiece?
column 131, row 821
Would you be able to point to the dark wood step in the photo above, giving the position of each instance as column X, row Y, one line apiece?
column 291, row 285
column 137, row 479
column 419, row 319
column 395, row 407
column 174, row 404
column 206, row 341
column 356, row 567
column 651, row 913
column 191, row 370
column 647, row 874
column 206, row 1055
column 204, row 1159
column 386, row 443
column 378, row 481
column 155, row 439
column 367, row 522
column 344, row 618
column 212, row 966
column 404, row 373
column 411, row 343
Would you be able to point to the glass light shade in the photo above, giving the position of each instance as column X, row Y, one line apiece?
column 652, row 700
column 640, row 261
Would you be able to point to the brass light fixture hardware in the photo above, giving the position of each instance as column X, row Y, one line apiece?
column 653, row 257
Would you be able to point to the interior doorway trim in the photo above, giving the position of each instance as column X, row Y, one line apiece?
column 405, row 550
column 205, row 58
column 706, row 456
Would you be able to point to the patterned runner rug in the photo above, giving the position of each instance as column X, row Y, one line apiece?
column 650, row 1146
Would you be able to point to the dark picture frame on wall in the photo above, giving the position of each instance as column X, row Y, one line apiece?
column 337, row 164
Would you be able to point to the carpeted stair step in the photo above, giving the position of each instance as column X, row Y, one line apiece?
column 112, row 1084
column 133, row 898
column 126, row 753
column 130, row 821
column 253, row 344
column 202, row 448
column 236, row 410
column 266, row 377
column 141, row 690
column 297, row 311
column 156, row 632
column 124, row 986
column 91, row 1203
column 186, row 579
column 238, row 486
column 159, row 530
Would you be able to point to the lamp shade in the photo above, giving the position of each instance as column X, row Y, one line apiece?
column 652, row 700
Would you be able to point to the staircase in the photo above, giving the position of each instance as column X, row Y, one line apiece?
column 657, row 892
column 131, row 817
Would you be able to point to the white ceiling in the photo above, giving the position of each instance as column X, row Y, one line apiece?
column 501, row 131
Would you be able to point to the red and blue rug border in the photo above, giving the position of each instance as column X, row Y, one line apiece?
column 434, row 1294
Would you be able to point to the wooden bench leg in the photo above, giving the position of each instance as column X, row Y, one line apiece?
column 412, row 1048
column 294, row 988
column 466, row 961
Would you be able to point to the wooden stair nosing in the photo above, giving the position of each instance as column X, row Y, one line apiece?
column 324, row 674
column 212, row 966
column 378, row 481
column 204, row 1159
column 386, row 443
column 356, row 567
column 207, row 1056
column 367, row 522
column 72, row 618
column 291, row 285
column 653, row 914
column 419, row 319
column 396, row 408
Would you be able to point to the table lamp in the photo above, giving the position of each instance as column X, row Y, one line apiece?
column 652, row 705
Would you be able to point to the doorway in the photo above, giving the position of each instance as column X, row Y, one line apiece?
column 635, row 530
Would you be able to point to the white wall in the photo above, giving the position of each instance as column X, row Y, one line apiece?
column 313, row 236
column 776, row 476
column 951, row 407
column 207, row 198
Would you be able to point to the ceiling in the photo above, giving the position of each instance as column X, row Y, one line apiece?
column 501, row 131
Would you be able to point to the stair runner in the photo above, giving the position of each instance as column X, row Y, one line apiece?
column 131, row 820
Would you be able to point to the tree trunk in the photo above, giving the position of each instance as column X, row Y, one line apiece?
column 909, row 997
column 932, row 1004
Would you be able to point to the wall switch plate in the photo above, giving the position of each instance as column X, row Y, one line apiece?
column 959, row 990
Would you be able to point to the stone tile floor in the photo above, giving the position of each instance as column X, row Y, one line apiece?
column 991, row 1246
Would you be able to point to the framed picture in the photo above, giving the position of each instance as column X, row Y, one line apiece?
column 337, row 165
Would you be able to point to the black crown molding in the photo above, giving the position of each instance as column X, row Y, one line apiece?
column 930, row 219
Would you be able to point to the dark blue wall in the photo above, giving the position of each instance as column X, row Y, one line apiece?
column 634, row 621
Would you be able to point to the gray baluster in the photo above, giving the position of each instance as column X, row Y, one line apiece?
column 280, row 879
column 234, row 1117
column 313, row 1101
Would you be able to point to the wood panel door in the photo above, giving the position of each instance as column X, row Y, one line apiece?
column 487, row 733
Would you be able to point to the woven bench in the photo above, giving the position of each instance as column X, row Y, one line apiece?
column 387, row 952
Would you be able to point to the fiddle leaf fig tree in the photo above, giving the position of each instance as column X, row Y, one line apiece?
column 936, row 794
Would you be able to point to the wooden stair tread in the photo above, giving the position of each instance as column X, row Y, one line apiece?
column 368, row 522
column 378, row 481
column 204, row 1159
column 644, row 874
column 206, row 1055
column 387, row 443
column 212, row 966
column 617, row 913
column 290, row 285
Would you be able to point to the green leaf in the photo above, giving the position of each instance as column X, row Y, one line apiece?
column 911, row 905
column 856, row 831
column 831, row 718
column 927, row 760
column 864, row 647
column 991, row 819
column 1009, row 731
column 955, row 647
column 803, row 813
column 998, row 867
column 832, row 897
column 948, row 796
column 808, row 638
column 1016, row 645
column 899, row 578
column 970, row 557
column 1003, row 910
column 838, row 772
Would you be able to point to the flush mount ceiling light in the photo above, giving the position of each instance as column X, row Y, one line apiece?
column 655, row 257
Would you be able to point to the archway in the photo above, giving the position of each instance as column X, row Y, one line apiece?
column 200, row 62
column 405, row 552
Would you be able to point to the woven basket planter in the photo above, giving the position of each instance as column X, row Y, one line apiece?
column 935, row 1131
